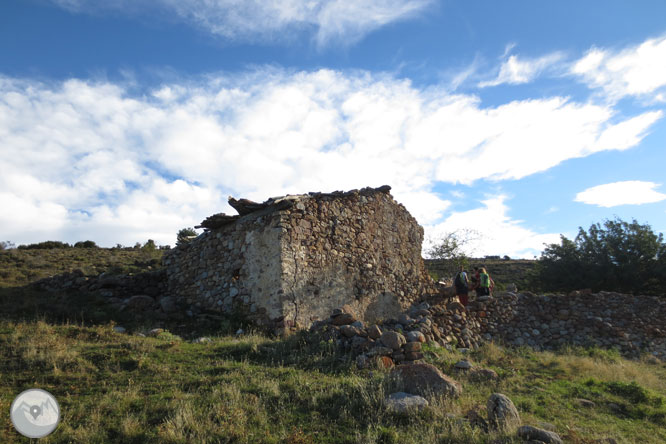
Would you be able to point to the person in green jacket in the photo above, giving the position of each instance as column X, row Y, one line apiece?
column 485, row 284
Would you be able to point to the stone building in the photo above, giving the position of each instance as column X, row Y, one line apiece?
column 291, row 260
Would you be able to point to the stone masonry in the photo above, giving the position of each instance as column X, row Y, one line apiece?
column 290, row 261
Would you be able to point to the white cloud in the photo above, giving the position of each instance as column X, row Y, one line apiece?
column 103, row 164
column 339, row 21
column 638, row 71
column 630, row 192
column 499, row 234
column 515, row 71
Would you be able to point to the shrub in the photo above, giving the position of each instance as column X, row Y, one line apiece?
column 47, row 245
column 86, row 244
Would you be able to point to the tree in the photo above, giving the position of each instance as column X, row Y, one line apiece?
column 618, row 256
column 6, row 245
column 185, row 235
column 85, row 244
column 149, row 245
column 450, row 250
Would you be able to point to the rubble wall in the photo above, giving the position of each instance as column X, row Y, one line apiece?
column 233, row 268
column 361, row 249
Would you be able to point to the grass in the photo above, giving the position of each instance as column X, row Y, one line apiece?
column 254, row 389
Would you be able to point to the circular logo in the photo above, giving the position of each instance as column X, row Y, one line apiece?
column 35, row 413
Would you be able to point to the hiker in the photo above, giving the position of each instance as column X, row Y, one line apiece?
column 485, row 284
column 462, row 286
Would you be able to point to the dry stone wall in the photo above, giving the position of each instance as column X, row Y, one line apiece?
column 290, row 261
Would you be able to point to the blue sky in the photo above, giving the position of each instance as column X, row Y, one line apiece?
column 130, row 119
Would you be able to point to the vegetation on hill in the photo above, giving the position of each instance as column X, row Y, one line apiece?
column 21, row 266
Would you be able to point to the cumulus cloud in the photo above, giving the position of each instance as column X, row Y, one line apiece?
column 515, row 71
column 498, row 234
column 99, row 162
column 630, row 192
column 339, row 21
column 638, row 71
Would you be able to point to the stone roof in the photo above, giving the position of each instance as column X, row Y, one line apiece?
column 246, row 206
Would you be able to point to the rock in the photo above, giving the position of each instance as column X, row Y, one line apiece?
column 348, row 331
column 455, row 306
column 168, row 304
column 358, row 342
column 425, row 380
column 374, row 332
column 401, row 402
column 412, row 347
column 119, row 329
column 385, row 362
column 343, row 319
column 404, row 319
column 585, row 402
column 536, row 434
column 140, row 302
column 240, row 332
column 380, row 351
column 362, row 361
column 512, row 288
column 502, row 414
column 201, row 340
column 483, row 374
column 415, row 336
column 393, row 340
column 155, row 331
column 463, row 365
column 413, row 356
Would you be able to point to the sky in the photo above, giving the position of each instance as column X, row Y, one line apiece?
column 127, row 120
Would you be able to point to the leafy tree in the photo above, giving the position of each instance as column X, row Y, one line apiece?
column 185, row 235
column 149, row 245
column 451, row 248
column 6, row 245
column 617, row 255
column 85, row 244
column 47, row 245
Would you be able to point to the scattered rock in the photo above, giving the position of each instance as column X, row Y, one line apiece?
column 412, row 347
column 343, row 319
column 374, row 332
column 201, row 340
column 401, row 402
column 502, row 414
column 536, row 434
column 393, row 340
column 425, row 380
column 463, row 365
column 168, row 304
column 585, row 402
column 155, row 331
column 119, row 329
column 140, row 302
column 415, row 336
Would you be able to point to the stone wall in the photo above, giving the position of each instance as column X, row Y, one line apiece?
column 606, row 319
column 290, row 261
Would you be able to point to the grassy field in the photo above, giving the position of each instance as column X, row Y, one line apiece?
column 126, row 388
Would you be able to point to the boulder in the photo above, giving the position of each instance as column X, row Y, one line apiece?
column 401, row 402
column 415, row 336
column 483, row 374
column 168, row 304
column 463, row 365
column 343, row 319
column 140, row 302
column 393, row 339
column 502, row 414
column 374, row 332
column 536, row 434
column 425, row 380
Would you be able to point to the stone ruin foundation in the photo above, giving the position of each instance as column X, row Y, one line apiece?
column 290, row 261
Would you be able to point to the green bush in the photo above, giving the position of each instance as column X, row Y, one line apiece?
column 47, row 245
column 618, row 256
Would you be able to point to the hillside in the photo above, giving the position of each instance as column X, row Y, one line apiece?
column 20, row 267
column 173, row 386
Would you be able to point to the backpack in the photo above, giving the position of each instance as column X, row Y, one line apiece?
column 485, row 280
column 458, row 282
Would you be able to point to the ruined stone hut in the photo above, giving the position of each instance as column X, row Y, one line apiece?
column 291, row 260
